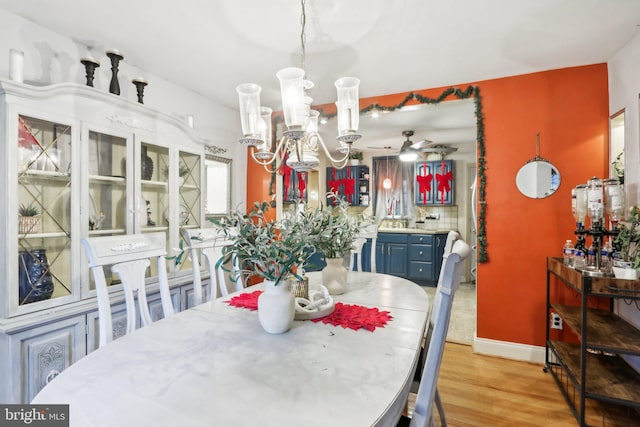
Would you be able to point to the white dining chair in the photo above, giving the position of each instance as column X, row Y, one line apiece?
column 452, row 237
column 369, row 232
column 448, row 284
column 129, row 257
column 209, row 242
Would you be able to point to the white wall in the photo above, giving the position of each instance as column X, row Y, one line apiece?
column 52, row 58
column 624, row 87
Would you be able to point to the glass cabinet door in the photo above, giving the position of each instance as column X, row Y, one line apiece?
column 44, row 210
column 108, row 204
column 189, row 195
column 107, row 166
column 154, row 193
column 154, row 188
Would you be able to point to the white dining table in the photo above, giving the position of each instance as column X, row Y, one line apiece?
column 214, row 365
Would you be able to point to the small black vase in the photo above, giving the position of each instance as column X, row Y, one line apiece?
column 146, row 164
column 34, row 277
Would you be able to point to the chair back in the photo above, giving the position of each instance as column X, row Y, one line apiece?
column 209, row 242
column 452, row 237
column 448, row 284
column 369, row 232
column 129, row 257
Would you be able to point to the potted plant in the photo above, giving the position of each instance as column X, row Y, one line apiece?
column 28, row 219
column 333, row 233
column 272, row 250
column 627, row 245
column 356, row 157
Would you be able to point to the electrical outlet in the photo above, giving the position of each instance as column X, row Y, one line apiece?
column 556, row 321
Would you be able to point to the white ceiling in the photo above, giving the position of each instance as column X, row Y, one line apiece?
column 210, row 46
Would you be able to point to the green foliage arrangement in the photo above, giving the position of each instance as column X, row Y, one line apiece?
column 269, row 249
column 333, row 229
column 274, row 250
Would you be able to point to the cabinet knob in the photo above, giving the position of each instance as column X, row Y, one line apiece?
column 420, row 269
column 420, row 252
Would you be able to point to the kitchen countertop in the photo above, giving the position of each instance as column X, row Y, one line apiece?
column 411, row 231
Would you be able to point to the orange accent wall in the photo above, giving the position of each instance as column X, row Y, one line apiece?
column 258, row 186
column 569, row 107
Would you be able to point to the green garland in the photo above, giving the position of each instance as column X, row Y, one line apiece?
column 482, row 255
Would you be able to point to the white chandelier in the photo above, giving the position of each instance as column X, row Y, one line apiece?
column 301, row 141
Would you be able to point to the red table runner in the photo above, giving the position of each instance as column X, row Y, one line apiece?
column 350, row 316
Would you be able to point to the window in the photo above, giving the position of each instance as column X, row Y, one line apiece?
column 393, row 188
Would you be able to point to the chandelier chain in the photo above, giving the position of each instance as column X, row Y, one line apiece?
column 303, row 37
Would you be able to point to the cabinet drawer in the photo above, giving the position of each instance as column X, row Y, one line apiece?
column 425, row 239
column 420, row 253
column 392, row 238
column 421, row 270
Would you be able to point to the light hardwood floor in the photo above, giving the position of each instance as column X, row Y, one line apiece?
column 483, row 391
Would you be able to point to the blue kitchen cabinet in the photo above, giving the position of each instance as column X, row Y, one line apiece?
column 435, row 183
column 392, row 254
column 421, row 259
column 351, row 183
column 417, row 257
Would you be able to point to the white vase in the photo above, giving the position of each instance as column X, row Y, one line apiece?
column 276, row 307
column 334, row 276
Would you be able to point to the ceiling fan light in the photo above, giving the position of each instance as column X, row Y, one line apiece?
column 408, row 155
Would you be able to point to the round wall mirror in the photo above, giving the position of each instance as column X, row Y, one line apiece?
column 538, row 179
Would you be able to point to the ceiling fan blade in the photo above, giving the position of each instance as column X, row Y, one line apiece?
column 439, row 149
column 422, row 144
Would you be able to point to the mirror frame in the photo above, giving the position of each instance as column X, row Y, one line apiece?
column 412, row 98
column 229, row 163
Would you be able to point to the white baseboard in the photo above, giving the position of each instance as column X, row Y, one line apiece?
column 509, row 350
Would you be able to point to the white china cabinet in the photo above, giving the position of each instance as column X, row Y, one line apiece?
column 79, row 162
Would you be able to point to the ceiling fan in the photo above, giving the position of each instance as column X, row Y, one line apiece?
column 407, row 143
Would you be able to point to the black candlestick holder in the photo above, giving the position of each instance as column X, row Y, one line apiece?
column 90, row 65
column 116, row 57
column 140, row 83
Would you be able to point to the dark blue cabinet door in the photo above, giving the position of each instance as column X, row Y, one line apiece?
column 396, row 262
column 444, row 184
column 380, row 257
column 366, row 256
column 424, row 188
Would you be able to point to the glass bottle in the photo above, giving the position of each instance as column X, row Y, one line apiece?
column 567, row 253
column 579, row 204
column 614, row 199
column 595, row 200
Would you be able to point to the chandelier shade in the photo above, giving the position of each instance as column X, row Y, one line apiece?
column 348, row 106
column 249, row 95
column 293, row 97
column 264, row 147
